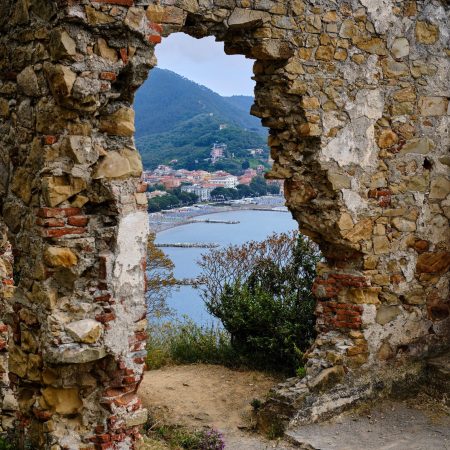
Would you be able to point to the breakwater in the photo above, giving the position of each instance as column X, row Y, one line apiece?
column 188, row 244
column 228, row 222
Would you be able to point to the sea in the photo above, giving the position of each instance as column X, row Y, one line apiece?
column 253, row 225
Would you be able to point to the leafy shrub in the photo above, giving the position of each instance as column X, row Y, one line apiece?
column 261, row 291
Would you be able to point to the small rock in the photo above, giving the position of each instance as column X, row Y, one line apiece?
column 400, row 48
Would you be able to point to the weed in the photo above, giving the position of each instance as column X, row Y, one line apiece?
column 256, row 404
column 184, row 342
column 180, row 437
column 301, row 372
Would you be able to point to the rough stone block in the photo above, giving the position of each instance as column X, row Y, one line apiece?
column 60, row 257
column 63, row 401
column 87, row 331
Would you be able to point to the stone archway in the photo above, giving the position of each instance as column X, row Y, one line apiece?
column 356, row 98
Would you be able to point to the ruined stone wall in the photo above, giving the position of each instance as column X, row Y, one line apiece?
column 355, row 94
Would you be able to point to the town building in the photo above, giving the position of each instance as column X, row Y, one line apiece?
column 218, row 152
column 202, row 192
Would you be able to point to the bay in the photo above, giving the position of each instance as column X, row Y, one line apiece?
column 253, row 225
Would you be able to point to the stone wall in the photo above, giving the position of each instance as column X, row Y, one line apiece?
column 355, row 94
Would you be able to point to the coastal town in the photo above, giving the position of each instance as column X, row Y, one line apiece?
column 202, row 183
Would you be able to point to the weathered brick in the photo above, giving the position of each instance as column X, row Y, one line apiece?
column 105, row 317
column 51, row 222
column 58, row 212
column 109, row 76
column 78, row 221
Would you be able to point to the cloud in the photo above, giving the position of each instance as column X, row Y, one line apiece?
column 204, row 61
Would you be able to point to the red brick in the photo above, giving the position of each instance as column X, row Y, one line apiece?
column 154, row 39
column 105, row 317
column 102, row 268
column 129, row 380
column 58, row 212
column 49, row 140
column 156, row 27
column 141, row 188
column 105, row 437
column 139, row 360
column 118, row 437
column 380, row 192
column 125, row 400
column 124, row 55
column 42, row 414
column 103, row 298
column 384, row 201
column 60, row 232
column 51, row 222
column 109, row 76
column 78, row 221
column 141, row 335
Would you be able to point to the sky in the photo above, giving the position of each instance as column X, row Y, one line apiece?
column 205, row 62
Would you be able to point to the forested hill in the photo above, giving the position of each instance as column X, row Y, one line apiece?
column 177, row 119
column 166, row 99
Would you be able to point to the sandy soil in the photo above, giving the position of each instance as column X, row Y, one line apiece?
column 207, row 395
column 213, row 396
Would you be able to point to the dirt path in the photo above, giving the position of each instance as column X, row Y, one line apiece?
column 212, row 396
column 207, row 395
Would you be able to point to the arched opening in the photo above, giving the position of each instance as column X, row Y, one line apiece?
column 176, row 117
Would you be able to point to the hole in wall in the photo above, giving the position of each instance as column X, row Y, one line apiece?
column 217, row 77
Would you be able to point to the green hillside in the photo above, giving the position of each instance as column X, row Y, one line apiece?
column 177, row 119
column 166, row 99
column 190, row 144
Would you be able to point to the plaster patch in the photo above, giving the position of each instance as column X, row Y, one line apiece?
column 354, row 202
column 380, row 13
column 128, row 279
column 355, row 143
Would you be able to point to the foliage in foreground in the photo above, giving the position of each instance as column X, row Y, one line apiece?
column 261, row 292
column 184, row 342
column 160, row 279
column 4, row 445
column 179, row 437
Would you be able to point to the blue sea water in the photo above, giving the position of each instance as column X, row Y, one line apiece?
column 253, row 225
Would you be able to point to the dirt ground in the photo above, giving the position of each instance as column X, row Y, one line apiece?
column 203, row 395
column 213, row 396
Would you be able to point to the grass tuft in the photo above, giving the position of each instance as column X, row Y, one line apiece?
column 184, row 342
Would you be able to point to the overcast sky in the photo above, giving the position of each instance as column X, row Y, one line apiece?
column 204, row 61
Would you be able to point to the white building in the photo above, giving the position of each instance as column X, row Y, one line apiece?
column 229, row 181
column 202, row 192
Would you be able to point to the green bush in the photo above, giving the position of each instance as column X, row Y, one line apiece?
column 269, row 312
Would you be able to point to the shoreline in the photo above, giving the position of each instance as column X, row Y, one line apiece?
column 156, row 227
